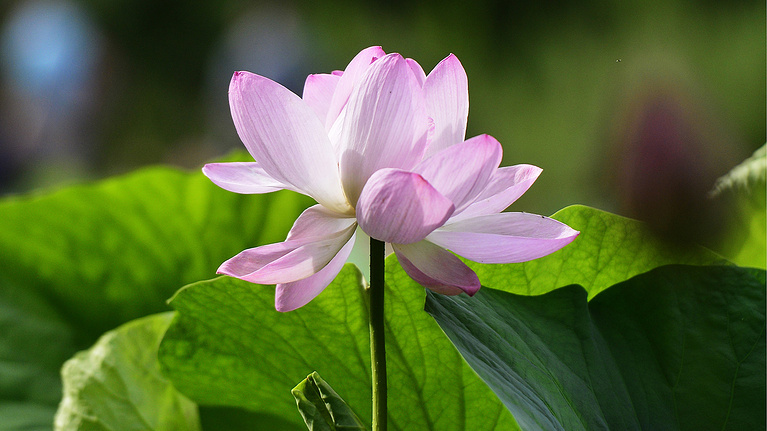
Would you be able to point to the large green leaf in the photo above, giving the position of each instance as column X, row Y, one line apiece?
column 609, row 249
column 680, row 347
column 228, row 346
column 117, row 385
column 81, row 260
column 109, row 252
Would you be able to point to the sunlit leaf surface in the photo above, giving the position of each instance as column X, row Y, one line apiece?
column 609, row 249
column 228, row 346
column 80, row 261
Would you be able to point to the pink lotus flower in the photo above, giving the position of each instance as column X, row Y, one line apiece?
column 380, row 146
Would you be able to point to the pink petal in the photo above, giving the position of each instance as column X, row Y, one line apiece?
column 349, row 81
column 296, row 294
column 504, row 237
column 420, row 75
column 436, row 268
column 462, row 171
column 506, row 185
column 318, row 221
column 447, row 103
column 318, row 92
column 286, row 138
column 303, row 254
column 239, row 177
column 401, row 207
column 384, row 125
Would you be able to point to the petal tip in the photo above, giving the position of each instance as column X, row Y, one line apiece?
column 473, row 290
column 283, row 308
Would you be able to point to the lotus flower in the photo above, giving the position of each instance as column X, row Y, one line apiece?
column 380, row 146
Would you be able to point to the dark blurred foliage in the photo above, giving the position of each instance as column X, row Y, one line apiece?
column 633, row 107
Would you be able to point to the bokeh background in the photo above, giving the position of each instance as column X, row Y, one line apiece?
column 635, row 107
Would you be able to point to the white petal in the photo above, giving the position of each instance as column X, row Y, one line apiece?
column 296, row 294
column 504, row 237
column 401, row 207
column 242, row 177
column 384, row 125
column 318, row 92
column 316, row 237
column 420, row 75
column 447, row 101
column 286, row 138
column 318, row 221
column 349, row 80
column 462, row 171
column 505, row 186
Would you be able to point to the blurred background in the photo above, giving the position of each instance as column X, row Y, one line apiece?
column 631, row 107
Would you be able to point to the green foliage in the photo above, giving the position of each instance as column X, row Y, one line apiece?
column 228, row 346
column 131, row 241
column 322, row 408
column 679, row 347
column 609, row 249
column 117, row 385
column 82, row 260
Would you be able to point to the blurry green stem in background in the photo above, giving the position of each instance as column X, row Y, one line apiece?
column 377, row 337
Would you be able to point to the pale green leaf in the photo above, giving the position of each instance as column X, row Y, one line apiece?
column 117, row 384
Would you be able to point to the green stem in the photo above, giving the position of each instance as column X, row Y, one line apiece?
column 377, row 341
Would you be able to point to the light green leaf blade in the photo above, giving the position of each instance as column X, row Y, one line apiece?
column 680, row 347
column 111, row 251
column 117, row 384
column 228, row 346
column 609, row 249
column 322, row 408
column 81, row 260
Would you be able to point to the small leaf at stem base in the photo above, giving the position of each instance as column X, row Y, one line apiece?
column 322, row 408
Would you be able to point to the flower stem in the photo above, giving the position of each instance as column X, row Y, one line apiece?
column 377, row 340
